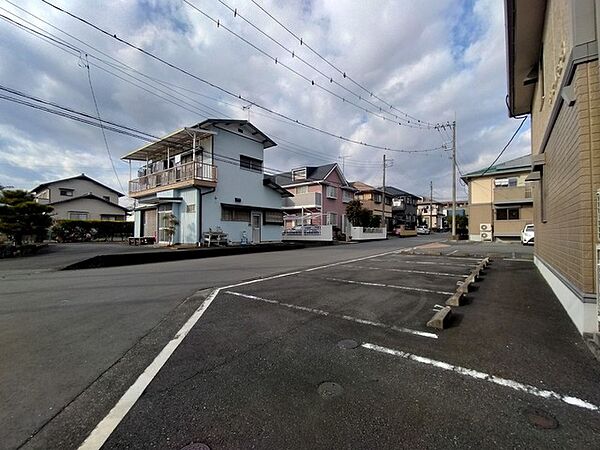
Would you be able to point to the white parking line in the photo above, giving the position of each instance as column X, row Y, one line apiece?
column 437, row 263
column 108, row 424
column 422, row 272
column 543, row 393
column 337, row 316
column 393, row 286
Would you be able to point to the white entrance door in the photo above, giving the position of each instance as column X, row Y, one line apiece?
column 256, row 226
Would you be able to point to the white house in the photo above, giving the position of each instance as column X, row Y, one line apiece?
column 80, row 197
column 208, row 177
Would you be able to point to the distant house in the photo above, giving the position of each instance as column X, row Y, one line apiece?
column 430, row 213
column 404, row 207
column 81, row 197
column 372, row 198
column 207, row 180
column 500, row 202
column 320, row 195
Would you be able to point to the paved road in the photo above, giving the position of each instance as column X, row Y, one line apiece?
column 68, row 339
column 268, row 365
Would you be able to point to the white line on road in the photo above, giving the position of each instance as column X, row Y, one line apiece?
column 105, row 428
column 422, row 272
column 452, row 253
column 337, row 316
column 108, row 424
column 393, row 286
column 543, row 393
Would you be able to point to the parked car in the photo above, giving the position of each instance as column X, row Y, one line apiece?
column 527, row 234
column 422, row 229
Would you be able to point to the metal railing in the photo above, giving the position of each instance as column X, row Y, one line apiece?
column 183, row 172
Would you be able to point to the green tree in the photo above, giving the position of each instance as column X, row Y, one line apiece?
column 358, row 215
column 21, row 216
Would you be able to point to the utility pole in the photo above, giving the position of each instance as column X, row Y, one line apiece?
column 454, row 180
column 383, row 199
column 430, row 205
column 343, row 158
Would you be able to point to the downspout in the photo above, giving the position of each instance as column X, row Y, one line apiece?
column 199, row 212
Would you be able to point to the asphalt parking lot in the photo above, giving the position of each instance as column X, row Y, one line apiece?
column 340, row 356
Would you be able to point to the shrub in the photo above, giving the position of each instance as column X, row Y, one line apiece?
column 90, row 230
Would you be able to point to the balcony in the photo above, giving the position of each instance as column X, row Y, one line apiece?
column 307, row 200
column 192, row 173
column 512, row 195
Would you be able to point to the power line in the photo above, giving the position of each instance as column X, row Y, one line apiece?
column 506, row 146
column 276, row 60
column 340, row 71
column 226, row 91
column 89, row 77
column 77, row 52
column 327, row 77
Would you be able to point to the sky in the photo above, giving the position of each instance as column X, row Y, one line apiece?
column 435, row 60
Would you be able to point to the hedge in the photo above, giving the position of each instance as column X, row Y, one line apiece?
column 90, row 230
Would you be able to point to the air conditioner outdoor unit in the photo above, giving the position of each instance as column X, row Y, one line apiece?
column 485, row 227
column 486, row 235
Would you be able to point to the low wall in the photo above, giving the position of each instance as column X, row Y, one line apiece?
column 367, row 234
column 309, row 233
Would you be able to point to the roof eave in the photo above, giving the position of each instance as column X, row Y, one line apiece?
column 524, row 30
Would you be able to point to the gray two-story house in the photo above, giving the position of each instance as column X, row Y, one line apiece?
column 80, row 198
column 404, row 207
column 207, row 178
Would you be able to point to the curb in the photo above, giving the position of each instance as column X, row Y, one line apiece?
column 440, row 319
column 135, row 258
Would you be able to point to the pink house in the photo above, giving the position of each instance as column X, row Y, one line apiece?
column 321, row 194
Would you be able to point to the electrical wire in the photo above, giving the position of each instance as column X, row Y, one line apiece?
column 340, row 71
column 327, row 77
column 89, row 77
column 506, row 146
column 226, row 91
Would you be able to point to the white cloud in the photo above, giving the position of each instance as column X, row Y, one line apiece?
column 410, row 53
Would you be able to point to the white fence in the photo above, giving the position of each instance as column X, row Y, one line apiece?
column 366, row 234
column 309, row 233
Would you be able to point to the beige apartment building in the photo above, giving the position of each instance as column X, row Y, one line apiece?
column 372, row 198
column 553, row 75
column 500, row 202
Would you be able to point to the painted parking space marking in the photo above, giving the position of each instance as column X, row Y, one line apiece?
column 421, row 272
column 334, row 315
column 109, row 423
column 482, row 376
column 392, row 286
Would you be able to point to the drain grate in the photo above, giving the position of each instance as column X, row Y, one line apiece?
column 196, row 446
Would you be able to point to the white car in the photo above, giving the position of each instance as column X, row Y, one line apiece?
column 423, row 230
column 527, row 234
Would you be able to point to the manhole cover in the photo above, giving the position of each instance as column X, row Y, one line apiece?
column 541, row 419
column 347, row 344
column 196, row 446
column 329, row 390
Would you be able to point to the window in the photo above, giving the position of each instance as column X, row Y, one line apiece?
column 299, row 174
column 191, row 208
column 377, row 198
column 78, row 215
column 332, row 219
column 111, row 217
column 388, row 200
column 302, row 190
column 505, row 182
column 273, row 217
column 106, row 197
column 507, row 214
column 232, row 214
column 331, row 192
column 251, row 163
column 346, row 196
column 66, row 192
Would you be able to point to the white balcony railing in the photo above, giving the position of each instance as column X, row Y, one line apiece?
column 190, row 171
column 307, row 200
